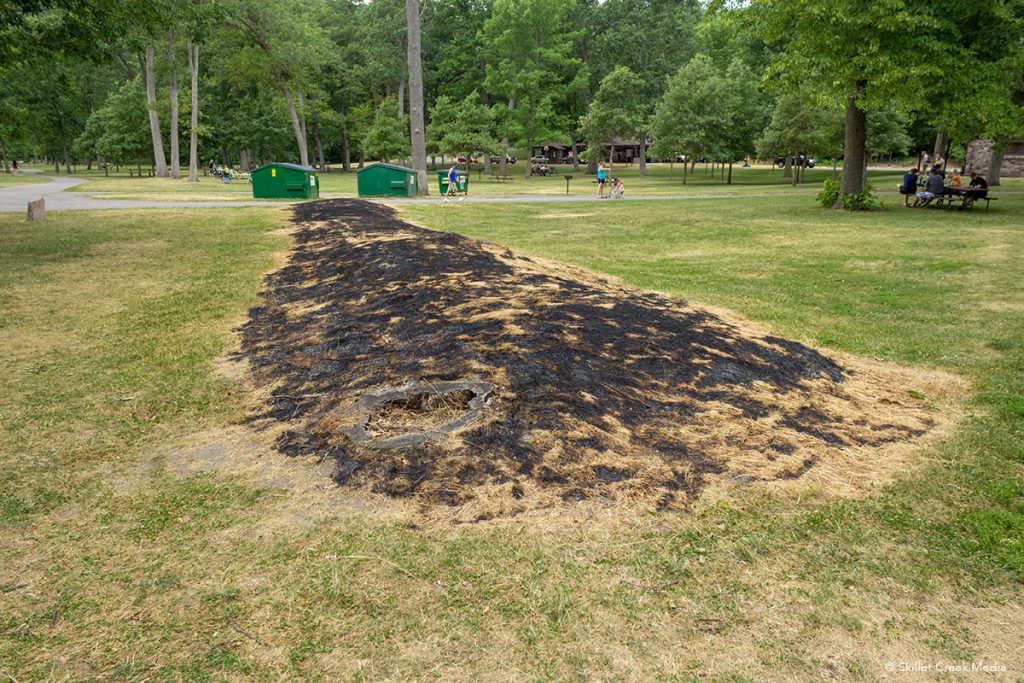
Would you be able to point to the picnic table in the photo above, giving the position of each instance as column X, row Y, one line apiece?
column 501, row 178
column 951, row 194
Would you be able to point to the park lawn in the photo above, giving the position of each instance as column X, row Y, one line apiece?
column 660, row 180
column 7, row 179
column 112, row 320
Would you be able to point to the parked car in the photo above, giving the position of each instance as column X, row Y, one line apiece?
column 539, row 159
column 496, row 159
column 798, row 160
column 467, row 160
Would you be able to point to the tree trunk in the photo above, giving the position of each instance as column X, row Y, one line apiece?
column 3, row 153
column 319, row 148
column 487, row 163
column 941, row 136
column 787, row 166
column 193, row 136
column 175, row 146
column 64, row 145
column 852, row 181
column 401, row 97
column 300, row 139
column 795, row 171
column 730, row 173
column 685, row 166
column 416, row 126
column 159, row 160
column 346, row 152
column 643, row 156
column 995, row 163
column 503, row 162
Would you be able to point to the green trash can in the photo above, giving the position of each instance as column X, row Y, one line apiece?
column 461, row 181
column 387, row 180
column 284, row 181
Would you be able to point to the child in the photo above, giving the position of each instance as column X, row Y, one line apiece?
column 618, row 188
column 955, row 180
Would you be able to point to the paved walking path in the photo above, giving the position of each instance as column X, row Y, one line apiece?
column 16, row 197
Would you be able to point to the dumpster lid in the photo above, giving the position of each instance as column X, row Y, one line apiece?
column 283, row 164
column 394, row 166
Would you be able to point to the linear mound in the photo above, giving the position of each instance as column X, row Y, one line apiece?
column 429, row 364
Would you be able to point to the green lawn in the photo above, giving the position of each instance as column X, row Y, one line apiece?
column 660, row 180
column 115, row 568
column 8, row 179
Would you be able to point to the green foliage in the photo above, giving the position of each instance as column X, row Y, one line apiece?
column 852, row 201
column 617, row 110
column 461, row 127
column 388, row 136
column 709, row 112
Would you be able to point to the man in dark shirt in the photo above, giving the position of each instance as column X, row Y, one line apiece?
column 909, row 186
column 978, row 189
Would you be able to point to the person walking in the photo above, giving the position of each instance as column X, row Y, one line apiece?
column 453, row 183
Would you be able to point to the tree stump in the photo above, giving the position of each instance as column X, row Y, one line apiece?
column 37, row 210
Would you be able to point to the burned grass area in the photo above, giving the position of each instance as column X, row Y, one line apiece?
column 430, row 365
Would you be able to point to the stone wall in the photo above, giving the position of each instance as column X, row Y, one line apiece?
column 980, row 151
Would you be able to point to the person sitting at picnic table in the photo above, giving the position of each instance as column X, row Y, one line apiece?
column 932, row 189
column 909, row 186
column 978, row 190
column 954, row 178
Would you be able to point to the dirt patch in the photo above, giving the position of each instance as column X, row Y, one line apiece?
column 426, row 364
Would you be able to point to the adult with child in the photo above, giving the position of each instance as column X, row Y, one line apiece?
column 602, row 177
column 909, row 187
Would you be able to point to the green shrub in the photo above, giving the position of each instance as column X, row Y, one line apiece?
column 854, row 201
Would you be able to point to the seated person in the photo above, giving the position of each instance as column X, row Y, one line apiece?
column 618, row 188
column 954, row 180
column 978, row 190
column 932, row 190
column 909, row 186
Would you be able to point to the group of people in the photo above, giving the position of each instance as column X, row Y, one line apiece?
column 938, row 184
column 618, row 187
column 225, row 172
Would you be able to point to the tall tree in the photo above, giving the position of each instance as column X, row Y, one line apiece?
column 860, row 54
column 172, row 70
column 149, row 76
column 416, row 125
column 615, row 112
column 528, row 46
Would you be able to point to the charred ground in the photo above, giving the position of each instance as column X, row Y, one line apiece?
column 426, row 363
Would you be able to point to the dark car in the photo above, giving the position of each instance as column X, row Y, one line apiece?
column 798, row 160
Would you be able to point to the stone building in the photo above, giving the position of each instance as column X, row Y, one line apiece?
column 979, row 153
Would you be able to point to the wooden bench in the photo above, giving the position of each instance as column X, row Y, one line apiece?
column 501, row 178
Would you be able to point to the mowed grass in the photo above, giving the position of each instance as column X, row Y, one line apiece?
column 9, row 179
column 660, row 180
column 111, row 321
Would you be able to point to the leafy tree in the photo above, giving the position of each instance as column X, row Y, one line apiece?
column 462, row 127
column 707, row 112
column 528, row 47
column 862, row 56
column 615, row 112
column 387, row 138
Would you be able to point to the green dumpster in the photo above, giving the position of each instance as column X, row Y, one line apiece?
column 278, row 180
column 461, row 181
column 387, row 180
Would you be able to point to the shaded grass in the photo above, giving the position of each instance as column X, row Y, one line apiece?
column 110, row 321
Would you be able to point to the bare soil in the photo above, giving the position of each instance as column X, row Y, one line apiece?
column 594, row 391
